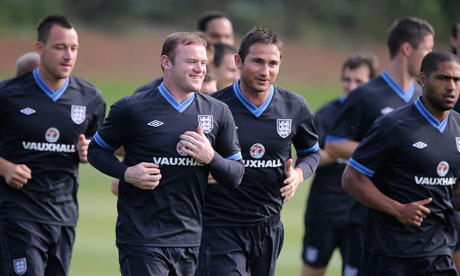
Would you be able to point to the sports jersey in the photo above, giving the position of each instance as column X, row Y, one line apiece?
column 150, row 85
column 327, row 201
column 266, row 133
column 148, row 125
column 40, row 128
column 410, row 156
column 366, row 103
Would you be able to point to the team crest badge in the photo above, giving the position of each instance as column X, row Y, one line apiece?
column 257, row 151
column 78, row 114
column 443, row 168
column 457, row 142
column 20, row 266
column 283, row 127
column 206, row 122
column 52, row 135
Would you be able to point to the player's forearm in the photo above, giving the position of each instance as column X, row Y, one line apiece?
column 225, row 171
column 105, row 161
column 342, row 150
column 4, row 164
column 308, row 163
column 326, row 159
column 364, row 190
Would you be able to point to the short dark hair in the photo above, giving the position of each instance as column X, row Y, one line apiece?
column 221, row 50
column 258, row 35
column 209, row 46
column 356, row 60
column 45, row 25
column 455, row 29
column 434, row 58
column 407, row 29
column 210, row 76
column 175, row 39
column 207, row 16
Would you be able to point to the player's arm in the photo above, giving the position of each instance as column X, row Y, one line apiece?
column 16, row 175
column 340, row 148
column 326, row 159
column 456, row 201
column 361, row 187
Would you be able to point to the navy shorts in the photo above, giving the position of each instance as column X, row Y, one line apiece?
column 354, row 242
column 319, row 242
column 241, row 250
column 29, row 248
column 162, row 261
column 378, row 265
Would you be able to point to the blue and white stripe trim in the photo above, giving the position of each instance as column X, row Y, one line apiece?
column 441, row 126
column 406, row 96
column 102, row 143
column 257, row 111
column 170, row 98
column 314, row 148
column 360, row 168
column 335, row 139
column 54, row 95
column 236, row 156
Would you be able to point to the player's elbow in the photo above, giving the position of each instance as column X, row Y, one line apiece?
column 348, row 180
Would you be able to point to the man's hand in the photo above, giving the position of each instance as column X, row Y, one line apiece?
column 211, row 179
column 197, row 145
column 82, row 148
column 293, row 178
column 16, row 175
column 114, row 186
column 144, row 175
column 413, row 213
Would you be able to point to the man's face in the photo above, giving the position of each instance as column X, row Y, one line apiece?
column 352, row 78
column 455, row 42
column 416, row 56
column 220, row 30
column 59, row 54
column 209, row 87
column 226, row 73
column 189, row 67
column 260, row 67
column 441, row 87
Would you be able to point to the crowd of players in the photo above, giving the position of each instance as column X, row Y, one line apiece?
column 204, row 177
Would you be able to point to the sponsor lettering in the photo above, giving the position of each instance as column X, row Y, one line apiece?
column 443, row 181
column 262, row 163
column 177, row 161
column 48, row 147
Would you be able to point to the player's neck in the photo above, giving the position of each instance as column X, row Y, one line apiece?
column 440, row 115
column 52, row 82
column 399, row 73
column 255, row 97
column 177, row 93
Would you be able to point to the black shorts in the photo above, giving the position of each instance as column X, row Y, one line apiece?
column 354, row 242
column 241, row 250
column 144, row 260
column 29, row 248
column 319, row 242
column 378, row 265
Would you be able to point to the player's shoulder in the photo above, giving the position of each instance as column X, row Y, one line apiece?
column 287, row 95
column 84, row 87
column 455, row 116
column 21, row 81
column 224, row 94
column 401, row 116
column 210, row 99
column 331, row 107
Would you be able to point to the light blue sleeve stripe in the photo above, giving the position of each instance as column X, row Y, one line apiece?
column 236, row 156
column 102, row 143
column 360, row 168
column 315, row 148
column 335, row 139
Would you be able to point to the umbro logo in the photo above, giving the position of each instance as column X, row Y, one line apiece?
column 386, row 110
column 419, row 145
column 28, row 111
column 155, row 123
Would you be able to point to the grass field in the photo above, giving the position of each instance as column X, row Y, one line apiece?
column 95, row 253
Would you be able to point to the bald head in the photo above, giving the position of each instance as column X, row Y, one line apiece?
column 27, row 62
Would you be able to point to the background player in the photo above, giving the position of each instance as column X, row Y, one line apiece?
column 224, row 65
column 409, row 40
column 25, row 63
column 158, row 228
column 405, row 170
column 328, row 203
column 242, row 231
column 45, row 116
column 217, row 26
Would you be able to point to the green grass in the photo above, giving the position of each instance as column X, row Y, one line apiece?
column 95, row 253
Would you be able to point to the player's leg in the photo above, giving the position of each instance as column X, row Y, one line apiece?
column 60, row 254
column 354, row 238
column 22, row 250
column 269, row 236
column 223, row 252
column 318, row 245
column 142, row 260
column 456, row 255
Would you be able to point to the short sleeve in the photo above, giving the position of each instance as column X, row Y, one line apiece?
column 305, row 139
column 227, row 143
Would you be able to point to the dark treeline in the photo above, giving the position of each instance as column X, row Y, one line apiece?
column 301, row 19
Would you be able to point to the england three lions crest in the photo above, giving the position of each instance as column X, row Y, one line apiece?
column 78, row 114
column 283, row 127
column 457, row 142
column 206, row 122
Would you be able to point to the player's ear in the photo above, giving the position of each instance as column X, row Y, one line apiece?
column 39, row 47
column 165, row 62
column 238, row 62
column 423, row 79
column 406, row 49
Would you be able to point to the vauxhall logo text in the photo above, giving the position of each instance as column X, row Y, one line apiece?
column 48, row 147
column 177, row 161
column 262, row 163
column 443, row 181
